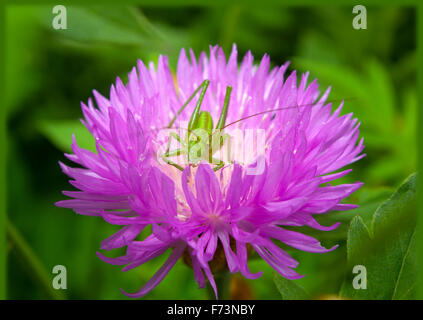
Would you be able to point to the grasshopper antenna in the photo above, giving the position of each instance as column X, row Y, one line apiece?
column 283, row 108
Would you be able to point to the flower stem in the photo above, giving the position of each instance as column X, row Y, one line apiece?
column 223, row 281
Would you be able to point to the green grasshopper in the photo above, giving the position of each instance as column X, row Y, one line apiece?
column 201, row 141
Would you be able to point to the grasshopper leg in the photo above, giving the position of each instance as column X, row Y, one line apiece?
column 205, row 83
column 173, row 135
column 173, row 153
column 224, row 113
column 177, row 166
column 217, row 137
column 220, row 164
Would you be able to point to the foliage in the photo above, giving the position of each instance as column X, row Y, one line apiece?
column 387, row 248
column 289, row 289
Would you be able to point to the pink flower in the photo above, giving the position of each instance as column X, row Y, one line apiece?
column 198, row 211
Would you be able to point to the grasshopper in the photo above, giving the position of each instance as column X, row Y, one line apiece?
column 201, row 141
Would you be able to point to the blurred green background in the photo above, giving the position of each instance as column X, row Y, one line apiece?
column 50, row 71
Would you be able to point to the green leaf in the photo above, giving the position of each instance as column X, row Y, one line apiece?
column 358, row 236
column 387, row 249
column 397, row 207
column 289, row 290
column 60, row 134
column 120, row 25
